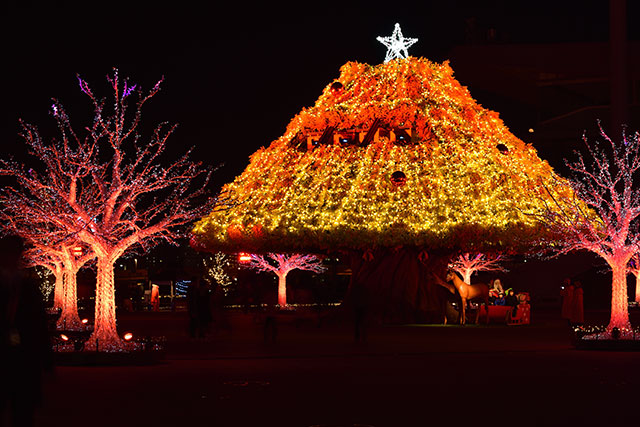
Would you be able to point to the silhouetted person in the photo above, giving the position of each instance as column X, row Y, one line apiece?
column 138, row 298
column 218, row 317
column 577, row 306
column 198, row 307
column 155, row 297
column 512, row 301
column 26, row 349
column 566, row 292
column 362, row 308
column 271, row 324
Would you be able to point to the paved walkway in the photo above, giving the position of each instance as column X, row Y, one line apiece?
column 317, row 376
column 246, row 336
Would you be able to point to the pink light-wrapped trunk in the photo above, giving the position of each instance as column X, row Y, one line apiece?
column 282, row 289
column 105, row 335
column 619, row 304
column 467, row 277
column 58, row 290
column 69, row 319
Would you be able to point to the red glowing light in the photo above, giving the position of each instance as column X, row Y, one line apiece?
column 77, row 250
column 64, row 337
column 244, row 257
column 128, row 336
column 85, row 321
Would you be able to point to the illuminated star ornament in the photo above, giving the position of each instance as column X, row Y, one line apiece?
column 396, row 45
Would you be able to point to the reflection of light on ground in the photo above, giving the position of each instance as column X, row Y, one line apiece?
column 247, row 383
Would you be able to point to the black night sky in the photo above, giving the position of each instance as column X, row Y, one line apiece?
column 236, row 74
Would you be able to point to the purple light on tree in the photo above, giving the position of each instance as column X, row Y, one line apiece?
column 128, row 90
column 84, row 87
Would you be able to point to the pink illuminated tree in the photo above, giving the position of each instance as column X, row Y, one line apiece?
column 64, row 262
column 601, row 213
column 109, row 190
column 281, row 265
column 45, row 248
column 73, row 259
column 466, row 264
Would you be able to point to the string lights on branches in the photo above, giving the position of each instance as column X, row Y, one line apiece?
column 395, row 164
column 47, row 246
column 468, row 263
column 603, row 216
column 110, row 190
column 281, row 265
column 447, row 182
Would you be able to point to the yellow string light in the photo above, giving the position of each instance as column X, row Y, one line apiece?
column 467, row 177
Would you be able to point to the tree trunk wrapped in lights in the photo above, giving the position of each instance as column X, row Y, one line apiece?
column 619, row 298
column 58, row 290
column 466, row 264
column 64, row 261
column 393, row 157
column 72, row 262
column 282, row 264
column 105, row 333
column 69, row 319
column 109, row 190
column 604, row 217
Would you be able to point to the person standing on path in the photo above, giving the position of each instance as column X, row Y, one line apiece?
column 512, row 301
column 25, row 346
column 198, row 307
column 155, row 297
column 577, row 305
column 193, row 307
column 566, row 293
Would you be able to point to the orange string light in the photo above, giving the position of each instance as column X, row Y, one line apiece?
column 465, row 177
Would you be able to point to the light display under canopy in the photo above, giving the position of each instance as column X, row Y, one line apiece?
column 393, row 154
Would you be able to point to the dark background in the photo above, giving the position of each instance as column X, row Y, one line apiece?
column 236, row 73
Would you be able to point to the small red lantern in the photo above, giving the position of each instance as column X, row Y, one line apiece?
column 244, row 257
column 398, row 178
column 336, row 87
column 77, row 250
column 128, row 336
column 63, row 337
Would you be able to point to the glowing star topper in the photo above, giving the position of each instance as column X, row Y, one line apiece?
column 396, row 45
